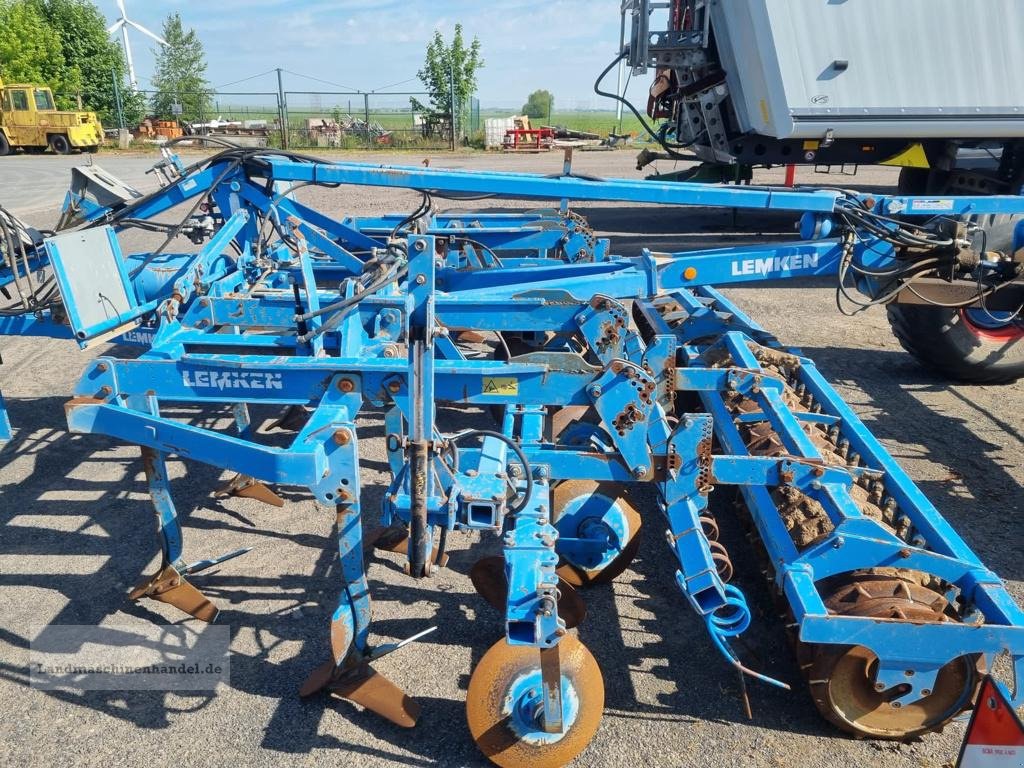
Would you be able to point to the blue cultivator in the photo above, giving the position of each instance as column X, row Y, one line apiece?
column 607, row 372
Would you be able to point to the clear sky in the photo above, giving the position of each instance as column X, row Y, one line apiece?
column 561, row 45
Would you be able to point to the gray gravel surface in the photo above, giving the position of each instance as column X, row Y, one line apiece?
column 78, row 531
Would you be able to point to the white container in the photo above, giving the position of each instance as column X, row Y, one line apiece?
column 874, row 68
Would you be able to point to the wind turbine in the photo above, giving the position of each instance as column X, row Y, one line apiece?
column 122, row 24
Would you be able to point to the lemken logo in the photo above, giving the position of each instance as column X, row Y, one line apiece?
column 222, row 380
column 772, row 264
column 137, row 337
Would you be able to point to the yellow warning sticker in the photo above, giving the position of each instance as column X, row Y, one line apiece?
column 501, row 385
column 811, row 145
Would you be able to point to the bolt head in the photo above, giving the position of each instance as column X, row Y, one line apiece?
column 420, row 245
column 394, row 386
column 421, row 279
column 346, row 385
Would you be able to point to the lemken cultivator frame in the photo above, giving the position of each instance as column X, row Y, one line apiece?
column 607, row 372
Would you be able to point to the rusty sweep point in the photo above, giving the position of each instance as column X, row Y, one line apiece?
column 245, row 487
column 169, row 586
column 363, row 685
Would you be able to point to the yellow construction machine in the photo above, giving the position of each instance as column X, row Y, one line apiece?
column 29, row 120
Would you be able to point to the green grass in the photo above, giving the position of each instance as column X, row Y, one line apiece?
column 600, row 122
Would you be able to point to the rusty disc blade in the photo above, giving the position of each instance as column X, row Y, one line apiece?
column 488, row 700
column 391, row 539
column 570, row 490
column 841, row 678
column 488, row 577
column 368, row 688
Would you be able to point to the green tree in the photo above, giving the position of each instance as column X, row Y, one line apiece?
column 30, row 50
column 93, row 58
column 539, row 104
column 446, row 66
column 181, row 74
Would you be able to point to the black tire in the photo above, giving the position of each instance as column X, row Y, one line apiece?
column 91, row 150
column 913, row 181
column 59, row 143
column 943, row 340
column 5, row 146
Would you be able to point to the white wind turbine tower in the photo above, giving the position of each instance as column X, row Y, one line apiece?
column 122, row 24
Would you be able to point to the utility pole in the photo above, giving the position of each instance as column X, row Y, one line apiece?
column 117, row 100
column 282, row 108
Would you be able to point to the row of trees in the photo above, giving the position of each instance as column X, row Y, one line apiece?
column 64, row 44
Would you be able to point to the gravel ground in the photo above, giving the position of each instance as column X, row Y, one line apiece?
column 78, row 531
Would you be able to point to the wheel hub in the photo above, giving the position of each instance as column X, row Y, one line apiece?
column 524, row 706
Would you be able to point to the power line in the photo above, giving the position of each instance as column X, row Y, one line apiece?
column 402, row 82
column 319, row 80
column 245, row 79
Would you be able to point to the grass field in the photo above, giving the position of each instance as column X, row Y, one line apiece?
column 591, row 122
column 600, row 122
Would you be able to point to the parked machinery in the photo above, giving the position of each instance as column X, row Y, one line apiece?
column 607, row 372
column 768, row 82
column 30, row 120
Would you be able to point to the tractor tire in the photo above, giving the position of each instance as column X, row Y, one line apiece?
column 947, row 341
column 59, row 143
column 5, row 146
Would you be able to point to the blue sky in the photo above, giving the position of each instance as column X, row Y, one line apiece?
column 367, row 44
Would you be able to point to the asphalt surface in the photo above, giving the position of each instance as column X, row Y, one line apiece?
column 78, row 531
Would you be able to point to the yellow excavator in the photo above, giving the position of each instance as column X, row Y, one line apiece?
column 29, row 120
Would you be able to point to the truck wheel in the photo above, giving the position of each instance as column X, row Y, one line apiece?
column 968, row 345
column 59, row 143
column 5, row 146
column 913, row 181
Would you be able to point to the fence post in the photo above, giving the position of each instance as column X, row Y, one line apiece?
column 282, row 106
column 366, row 115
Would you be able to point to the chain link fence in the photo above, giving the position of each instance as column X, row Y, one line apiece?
column 310, row 119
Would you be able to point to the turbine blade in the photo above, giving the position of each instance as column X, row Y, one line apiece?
column 145, row 31
column 120, row 7
column 115, row 26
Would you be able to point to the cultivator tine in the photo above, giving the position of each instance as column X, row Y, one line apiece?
column 246, row 487
column 318, row 679
column 358, row 682
column 369, row 688
column 169, row 586
column 489, row 580
column 363, row 685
